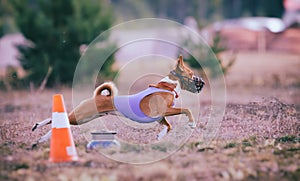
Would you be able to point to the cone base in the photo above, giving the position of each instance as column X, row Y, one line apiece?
column 62, row 148
column 57, row 160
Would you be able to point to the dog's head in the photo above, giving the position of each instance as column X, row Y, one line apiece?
column 186, row 77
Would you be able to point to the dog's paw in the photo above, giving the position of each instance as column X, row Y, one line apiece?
column 159, row 137
column 34, row 127
column 34, row 145
column 162, row 133
column 192, row 124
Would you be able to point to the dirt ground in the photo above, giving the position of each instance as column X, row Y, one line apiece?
column 258, row 138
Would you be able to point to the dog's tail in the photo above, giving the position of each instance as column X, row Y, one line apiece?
column 106, row 89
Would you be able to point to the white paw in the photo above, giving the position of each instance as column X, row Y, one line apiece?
column 34, row 127
column 192, row 124
column 162, row 133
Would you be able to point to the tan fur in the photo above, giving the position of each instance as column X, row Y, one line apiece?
column 153, row 105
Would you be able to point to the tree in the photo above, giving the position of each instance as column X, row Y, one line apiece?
column 7, row 24
column 57, row 29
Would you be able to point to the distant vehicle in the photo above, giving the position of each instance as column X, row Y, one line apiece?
column 292, row 12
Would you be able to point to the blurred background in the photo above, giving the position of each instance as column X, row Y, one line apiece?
column 42, row 40
column 256, row 43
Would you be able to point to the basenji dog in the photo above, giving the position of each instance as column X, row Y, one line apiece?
column 153, row 104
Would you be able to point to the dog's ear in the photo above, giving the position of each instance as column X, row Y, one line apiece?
column 180, row 64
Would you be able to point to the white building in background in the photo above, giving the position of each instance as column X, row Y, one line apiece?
column 292, row 12
column 9, row 53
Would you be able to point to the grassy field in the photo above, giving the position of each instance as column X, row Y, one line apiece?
column 259, row 137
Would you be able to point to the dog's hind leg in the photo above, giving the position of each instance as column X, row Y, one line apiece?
column 44, row 138
column 42, row 123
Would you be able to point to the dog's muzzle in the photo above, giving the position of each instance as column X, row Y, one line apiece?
column 193, row 85
column 198, row 84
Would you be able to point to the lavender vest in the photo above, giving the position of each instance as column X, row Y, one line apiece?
column 129, row 105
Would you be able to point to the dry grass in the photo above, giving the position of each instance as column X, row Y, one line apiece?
column 258, row 138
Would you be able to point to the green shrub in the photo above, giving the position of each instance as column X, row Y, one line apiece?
column 57, row 29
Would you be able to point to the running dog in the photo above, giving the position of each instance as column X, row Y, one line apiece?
column 153, row 104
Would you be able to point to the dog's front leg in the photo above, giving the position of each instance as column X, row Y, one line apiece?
column 165, row 130
column 175, row 111
column 162, row 133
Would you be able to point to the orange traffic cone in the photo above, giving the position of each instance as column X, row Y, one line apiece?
column 62, row 148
